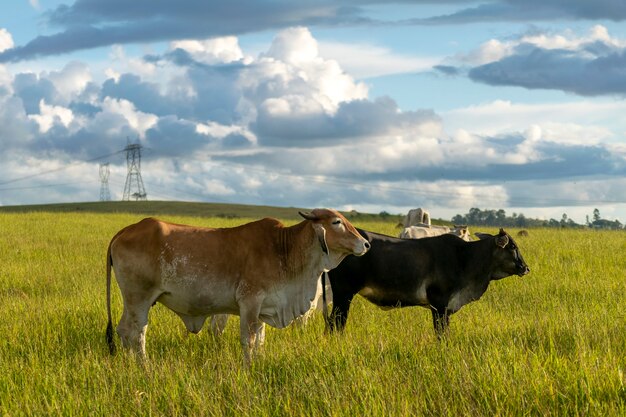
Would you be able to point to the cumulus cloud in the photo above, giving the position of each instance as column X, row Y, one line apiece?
column 51, row 115
column 589, row 65
column 6, row 40
column 70, row 81
column 291, row 125
column 211, row 51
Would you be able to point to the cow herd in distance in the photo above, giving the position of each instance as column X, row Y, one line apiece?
column 267, row 273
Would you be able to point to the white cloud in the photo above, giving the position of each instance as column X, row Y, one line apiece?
column 5, row 78
column 6, row 40
column 495, row 50
column 293, row 71
column 573, row 122
column 220, row 131
column 123, row 63
column 136, row 119
column 589, row 65
column 490, row 51
column 340, row 148
column 50, row 115
column 570, row 41
column 294, row 46
column 368, row 61
column 71, row 80
column 212, row 51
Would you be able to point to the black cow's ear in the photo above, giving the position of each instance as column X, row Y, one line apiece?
column 502, row 241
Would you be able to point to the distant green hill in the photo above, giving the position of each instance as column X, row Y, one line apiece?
column 156, row 208
column 181, row 208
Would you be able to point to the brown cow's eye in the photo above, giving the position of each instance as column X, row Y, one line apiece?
column 337, row 222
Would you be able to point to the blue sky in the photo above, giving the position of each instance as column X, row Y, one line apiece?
column 363, row 105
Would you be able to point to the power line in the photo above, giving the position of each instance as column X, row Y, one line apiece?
column 45, row 186
column 50, row 171
column 488, row 198
column 512, row 201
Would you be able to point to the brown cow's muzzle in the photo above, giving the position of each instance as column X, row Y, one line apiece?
column 362, row 247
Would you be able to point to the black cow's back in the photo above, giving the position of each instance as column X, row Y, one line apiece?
column 395, row 272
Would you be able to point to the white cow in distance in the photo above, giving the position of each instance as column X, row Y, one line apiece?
column 423, row 230
column 417, row 216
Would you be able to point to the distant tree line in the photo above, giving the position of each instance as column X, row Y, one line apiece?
column 499, row 218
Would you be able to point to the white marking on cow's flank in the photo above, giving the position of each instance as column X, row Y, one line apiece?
column 421, row 296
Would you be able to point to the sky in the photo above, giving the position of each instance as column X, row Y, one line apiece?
column 354, row 105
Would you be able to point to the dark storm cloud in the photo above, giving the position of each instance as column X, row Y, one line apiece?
column 531, row 10
column 447, row 70
column 533, row 67
column 215, row 92
column 556, row 162
column 357, row 118
column 172, row 136
column 144, row 95
column 32, row 89
column 86, row 143
column 88, row 24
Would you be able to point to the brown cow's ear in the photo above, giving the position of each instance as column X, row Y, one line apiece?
column 502, row 241
column 321, row 236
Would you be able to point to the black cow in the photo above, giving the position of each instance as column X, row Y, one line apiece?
column 442, row 273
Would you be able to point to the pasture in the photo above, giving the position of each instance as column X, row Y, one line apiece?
column 551, row 343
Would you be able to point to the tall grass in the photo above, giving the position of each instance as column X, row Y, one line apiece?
column 551, row 343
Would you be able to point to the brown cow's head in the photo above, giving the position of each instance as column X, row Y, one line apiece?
column 337, row 236
column 507, row 259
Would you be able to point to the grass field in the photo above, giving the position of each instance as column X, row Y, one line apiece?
column 551, row 343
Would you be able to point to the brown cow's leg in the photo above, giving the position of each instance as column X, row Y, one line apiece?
column 132, row 327
column 251, row 329
column 218, row 324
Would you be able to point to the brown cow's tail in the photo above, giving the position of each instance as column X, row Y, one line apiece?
column 109, row 332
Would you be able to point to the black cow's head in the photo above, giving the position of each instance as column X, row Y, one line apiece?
column 507, row 258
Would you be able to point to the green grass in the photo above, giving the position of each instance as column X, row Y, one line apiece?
column 551, row 343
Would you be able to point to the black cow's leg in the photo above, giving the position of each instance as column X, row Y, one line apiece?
column 441, row 319
column 339, row 312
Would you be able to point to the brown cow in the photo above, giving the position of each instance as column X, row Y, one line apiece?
column 261, row 271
